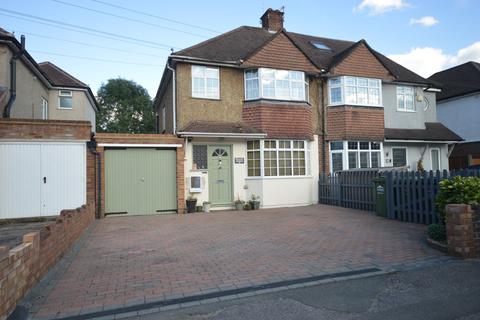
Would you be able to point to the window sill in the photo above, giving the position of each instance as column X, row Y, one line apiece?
column 60, row 108
column 278, row 177
column 354, row 105
column 278, row 101
column 201, row 98
column 407, row 111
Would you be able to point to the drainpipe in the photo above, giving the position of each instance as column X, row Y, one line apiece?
column 174, row 100
column 13, row 78
column 322, row 108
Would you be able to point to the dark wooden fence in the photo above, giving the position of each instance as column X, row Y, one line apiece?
column 410, row 194
column 349, row 189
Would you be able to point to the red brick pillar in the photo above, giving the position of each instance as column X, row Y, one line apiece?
column 461, row 240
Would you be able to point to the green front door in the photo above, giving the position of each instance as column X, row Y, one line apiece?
column 140, row 181
column 220, row 175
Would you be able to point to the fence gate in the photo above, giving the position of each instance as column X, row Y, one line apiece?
column 349, row 189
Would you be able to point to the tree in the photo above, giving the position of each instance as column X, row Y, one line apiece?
column 125, row 107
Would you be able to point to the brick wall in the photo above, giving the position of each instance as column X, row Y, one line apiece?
column 44, row 129
column 361, row 62
column 280, row 121
column 23, row 266
column 355, row 123
column 119, row 138
column 463, row 231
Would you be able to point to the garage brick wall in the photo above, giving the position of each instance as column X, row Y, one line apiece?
column 44, row 129
column 119, row 138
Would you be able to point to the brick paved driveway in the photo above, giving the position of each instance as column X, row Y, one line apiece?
column 131, row 260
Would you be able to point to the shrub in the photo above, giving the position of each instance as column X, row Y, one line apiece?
column 458, row 189
column 437, row 232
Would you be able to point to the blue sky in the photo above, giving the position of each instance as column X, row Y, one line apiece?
column 426, row 36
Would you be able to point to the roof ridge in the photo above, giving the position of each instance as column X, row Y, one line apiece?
column 62, row 71
column 319, row 37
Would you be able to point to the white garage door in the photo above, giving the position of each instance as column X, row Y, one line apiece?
column 41, row 179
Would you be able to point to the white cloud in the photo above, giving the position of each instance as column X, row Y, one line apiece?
column 426, row 61
column 377, row 7
column 426, row 21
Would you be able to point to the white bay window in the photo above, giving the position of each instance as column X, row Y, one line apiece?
column 275, row 84
column 355, row 91
column 277, row 158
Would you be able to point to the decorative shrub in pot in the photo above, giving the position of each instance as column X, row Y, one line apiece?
column 191, row 203
column 255, row 202
column 239, row 203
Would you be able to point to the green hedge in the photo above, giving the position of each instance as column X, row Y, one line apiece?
column 457, row 190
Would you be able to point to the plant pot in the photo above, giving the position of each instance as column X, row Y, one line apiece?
column 191, row 205
column 247, row 206
column 238, row 206
column 206, row 207
column 255, row 205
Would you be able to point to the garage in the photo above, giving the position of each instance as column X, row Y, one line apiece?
column 41, row 178
column 140, row 180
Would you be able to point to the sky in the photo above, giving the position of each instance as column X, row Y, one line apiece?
column 96, row 40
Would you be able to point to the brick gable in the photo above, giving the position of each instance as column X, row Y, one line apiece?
column 281, row 53
column 361, row 62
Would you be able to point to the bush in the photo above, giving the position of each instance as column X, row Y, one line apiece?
column 457, row 190
column 437, row 232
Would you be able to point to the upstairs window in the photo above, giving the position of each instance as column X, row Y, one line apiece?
column 205, row 82
column 275, row 84
column 405, row 98
column 355, row 91
column 65, row 99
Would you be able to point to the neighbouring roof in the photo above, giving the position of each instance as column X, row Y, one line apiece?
column 458, row 81
column 59, row 77
column 239, row 44
column 434, row 131
column 220, row 127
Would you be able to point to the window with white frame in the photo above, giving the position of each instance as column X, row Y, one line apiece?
column 44, row 109
column 205, row 82
column 65, row 99
column 435, row 156
column 405, row 98
column 355, row 91
column 347, row 155
column 399, row 156
column 277, row 158
column 275, row 84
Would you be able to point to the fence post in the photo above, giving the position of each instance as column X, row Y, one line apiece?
column 389, row 189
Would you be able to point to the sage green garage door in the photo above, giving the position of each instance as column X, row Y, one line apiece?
column 140, row 181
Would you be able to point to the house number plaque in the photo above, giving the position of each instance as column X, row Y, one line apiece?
column 239, row 160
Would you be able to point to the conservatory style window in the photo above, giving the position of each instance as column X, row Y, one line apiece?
column 275, row 84
column 355, row 91
column 277, row 158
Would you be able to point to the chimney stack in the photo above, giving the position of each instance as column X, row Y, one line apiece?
column 272, row 20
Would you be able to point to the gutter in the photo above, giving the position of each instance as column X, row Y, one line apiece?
column 174, row 100
column 13, row 79
column 421, row 141
column 229, row 135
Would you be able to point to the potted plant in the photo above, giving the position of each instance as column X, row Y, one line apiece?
column 239, row 203
column 247, row 206
column 255, row 202
column 191, row 203
column 206, row 206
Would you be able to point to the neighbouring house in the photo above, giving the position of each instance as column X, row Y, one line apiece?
column 263, row 111
column 459, row 110
column 31, row 90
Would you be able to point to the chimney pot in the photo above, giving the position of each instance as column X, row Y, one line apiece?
column 272, row 20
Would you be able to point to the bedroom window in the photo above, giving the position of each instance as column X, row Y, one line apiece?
column 65, row 99
column 405, row 99
column 355, row 91
column 205, row 82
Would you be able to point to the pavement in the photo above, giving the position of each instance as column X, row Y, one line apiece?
column 142, row 261
column 446, row 291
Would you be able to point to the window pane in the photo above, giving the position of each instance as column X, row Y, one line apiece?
column 298, row 163
column 250, row 74
column 337, row 161
column 351, row 94
column 374, row 96
column 375, row 159
column 352, row 145
column 283, row 144
column 350, row 81
column 375, row 146
column 399, row 157
column 338, row 145
column 374, row 83
column 362, row 82
column 66, row 102
column 253, row 163
column 362, row 95
column 212, row 73
column 409, row 103
column 335, row 81
column 435, row 159
column 198, row 71
column 200, row 156
column 400, row 90
column 298, row 144
column 198, row 87
column 253, row 144
column 400, row 102
column 296, row 75
column 364, row 145
column 270, row 163
column 298, row 91
column 282, row 89
column 364, row 159
column 336, row 95
column 285, row 163
column 270, row 144
column 352, row 160
column 212, row 88
column 252, row 88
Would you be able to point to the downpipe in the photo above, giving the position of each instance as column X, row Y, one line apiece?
column 13, row 79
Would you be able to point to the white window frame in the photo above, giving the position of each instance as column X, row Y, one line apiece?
column 345, row 150
column 438, row 157
column 44, row 109
column 204, row 95
column 64, row 94
column 404, row 107
column 406, row 155
column 260, row 72
column 343, row 85
column 305, row 149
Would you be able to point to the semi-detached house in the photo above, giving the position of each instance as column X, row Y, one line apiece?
column 263, row 111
